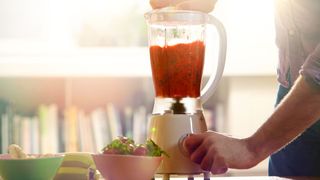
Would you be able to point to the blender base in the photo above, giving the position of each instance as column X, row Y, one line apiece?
column 166, row 131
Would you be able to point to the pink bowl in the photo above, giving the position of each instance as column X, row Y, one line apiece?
column 126, row 167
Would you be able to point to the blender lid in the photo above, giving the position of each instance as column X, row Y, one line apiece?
column 172, row 16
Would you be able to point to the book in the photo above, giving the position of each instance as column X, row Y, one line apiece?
column 43, row 128
column 115, row 127
column 61, row 135
column 25, row 134
column 52, row 124
column 128, row 121
column 100, row 128
column 3, row 106
column 10, row 115
column 34, row 135
column 48, row 128
column 6, row 127
column 86, row 140
column 71, row 129
column 16, row 132
column 4, row 132
column 140, row 124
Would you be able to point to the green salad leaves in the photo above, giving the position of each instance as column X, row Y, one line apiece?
column 126, row 146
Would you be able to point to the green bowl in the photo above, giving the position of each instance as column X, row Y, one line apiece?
column 43, row 168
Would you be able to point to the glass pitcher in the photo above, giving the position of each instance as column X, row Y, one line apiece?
column 177, row 52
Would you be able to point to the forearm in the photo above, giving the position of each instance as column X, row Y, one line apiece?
column 299, row 110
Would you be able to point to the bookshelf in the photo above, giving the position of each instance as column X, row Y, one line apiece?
column 64, row 99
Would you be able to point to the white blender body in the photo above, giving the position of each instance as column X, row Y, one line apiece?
column 177, row 48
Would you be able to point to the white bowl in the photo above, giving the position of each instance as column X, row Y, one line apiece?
column 126, row 167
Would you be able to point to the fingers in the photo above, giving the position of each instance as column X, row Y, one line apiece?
column 209, row 159
column 203, row 151
column 214, row 164
column 197, row 5
column 192, row 142
column 207, row 162
column 219, row 166
column 157, row 4
column 198, row 155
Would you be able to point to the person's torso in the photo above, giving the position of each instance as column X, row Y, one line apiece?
column 298, row 33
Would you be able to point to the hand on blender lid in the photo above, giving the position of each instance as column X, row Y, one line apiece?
column 205, row 6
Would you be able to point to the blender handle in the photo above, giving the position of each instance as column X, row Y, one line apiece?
column 214, row 79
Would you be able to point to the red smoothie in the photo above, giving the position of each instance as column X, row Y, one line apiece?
column 177, row 70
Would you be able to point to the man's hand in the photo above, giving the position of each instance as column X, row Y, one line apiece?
column 196, row 5
column 216, row 152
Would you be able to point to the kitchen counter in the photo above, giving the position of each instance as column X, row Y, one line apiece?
column 241, row 178
column 248, row 178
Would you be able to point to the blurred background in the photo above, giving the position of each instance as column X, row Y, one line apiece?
column 71, row 66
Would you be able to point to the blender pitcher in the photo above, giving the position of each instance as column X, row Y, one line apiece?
column 177, row 52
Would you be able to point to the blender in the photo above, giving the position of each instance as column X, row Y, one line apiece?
column 177, row 52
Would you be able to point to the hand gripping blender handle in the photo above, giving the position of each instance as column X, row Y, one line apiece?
column 214, row 79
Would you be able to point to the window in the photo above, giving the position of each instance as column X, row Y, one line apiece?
column 74, row 23
column 50, row 25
